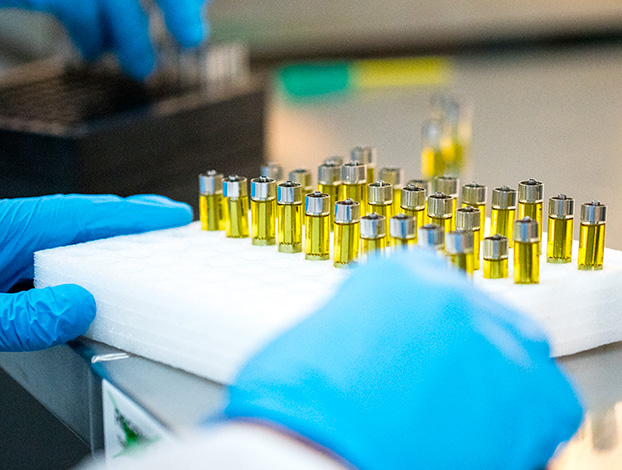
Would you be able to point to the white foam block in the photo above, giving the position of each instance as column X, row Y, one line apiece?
column 204, row 303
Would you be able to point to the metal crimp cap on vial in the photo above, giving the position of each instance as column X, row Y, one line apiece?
column 395, row 176
column 459, row 241
column 402, row 226
column 302, row 176
column 413, row 198
column 317, row 203
column 365, row 155
column 468, row 218
column 347, row 211
column 425, row 184
column 210, row 182
column 272, row 170
column 373, row 226
column 474, row 193
column 234, row 186
column 561, row 207
column 353, row 173
column 526, row 230
column 440, row 206
column 495, row 247
column 530, row 191
column 329, row 174
column 447, row 185
column 335, row 160
column 289, row 193
column 380, row 193
column 593, row 213
column 504, row 198
column 263, row 189
column 431, row 235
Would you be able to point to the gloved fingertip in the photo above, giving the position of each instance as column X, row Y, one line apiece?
column 139, row 69
column 180, row 214
column 192, row 35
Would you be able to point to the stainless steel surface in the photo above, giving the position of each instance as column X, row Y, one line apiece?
column 365, row 155
column 530, row 191
column 272, row 170
column 440, row 205
column 413, row 197
column 495, row 247
column 593, row 213
column 234, row 186
column 373, row 226
column 289, row 193
column 380, row 193
column 394, row 176
column 353, row 173
column 447, row 185
column 473, row 193
column 561, row 207
column 526, row 230
column 317, row 203
column 263, row 188
column 504, row 197
column 459, row 241
column 329, row 173
column 347, row 211
column 402, row 226
column 468, row 218
column 210, row 182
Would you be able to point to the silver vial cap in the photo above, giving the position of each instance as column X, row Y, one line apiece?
column 413, row 198
column 301, row 176
column 289, row 193
column 329, row 174
column 353, row 173
column 425, row 184
column 561, row 207
column 335, row 160
column 395, row 176
column 459, row 241
column 317, row 203
column 526, row 230
column 263, row 189
column 440, row 206
column 593, row 213
column 365, row 155
column 495, row 247
column 474, row 194
column 234, row 186
column 380, row 193
column 347, row 211
column 447, row 185
column 468, row 218
column 210, row 182
column 504, row 197
column 373, row 226
column 402, row 226
column 431, row 236
column 530, row 191
column 272, row 170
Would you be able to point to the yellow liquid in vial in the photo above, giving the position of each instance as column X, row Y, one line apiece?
column 477, row 237
column 463, row 262
column 356, row 192
column 371, row 174
column 290, row 227
column 444, row 223
column 333, row 191
column 373, row 246
column 210, row 207
column 432, row 163
column 236, row 217
column 317, row 237
column 591, row 247
column 532, row 210
column 263, row 222
column 495, row 268
column 346, row 246
column 397, row 200
column 559, row 240
column 403, row 243
column 526, row 263
column 419, row 218
column 502, row 223
column 381, row 209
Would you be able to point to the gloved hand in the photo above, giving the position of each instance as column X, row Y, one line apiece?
column 410, row 367
column 121, row 26
column 39, row 318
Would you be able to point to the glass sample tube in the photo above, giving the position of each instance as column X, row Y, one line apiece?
column 526, row 252
column 459, row 249
column 272, row 170
column 530, row 203
column 347, row 233
column 329, row 180
column 289, row 216
column 458, row 122
column 210, row 201
column 317, row 226
column 353, row 184
column 467, row 218
column 431, row 236
column 432, row 159
column 368, row 157
column 449, row 185
column 413, row 203
column 425, row 184
column 263, row 211
column 302, row 176
column 440, row 210
column 395, row 177
column 495, row 250
column 474, row 194
column 235, row 194
column 373, row 235
column 335, row 160
column 380, row 198
column 592, row 236
column 403, row 231
column 503, row 212
column 559, row 235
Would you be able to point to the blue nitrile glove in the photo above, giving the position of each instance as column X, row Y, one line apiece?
column 121, row 26
column 39, row 318
column 410, row 367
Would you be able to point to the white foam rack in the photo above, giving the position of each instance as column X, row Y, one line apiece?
column 204, row 303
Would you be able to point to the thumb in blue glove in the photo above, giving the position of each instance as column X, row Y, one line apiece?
column 40, row 318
